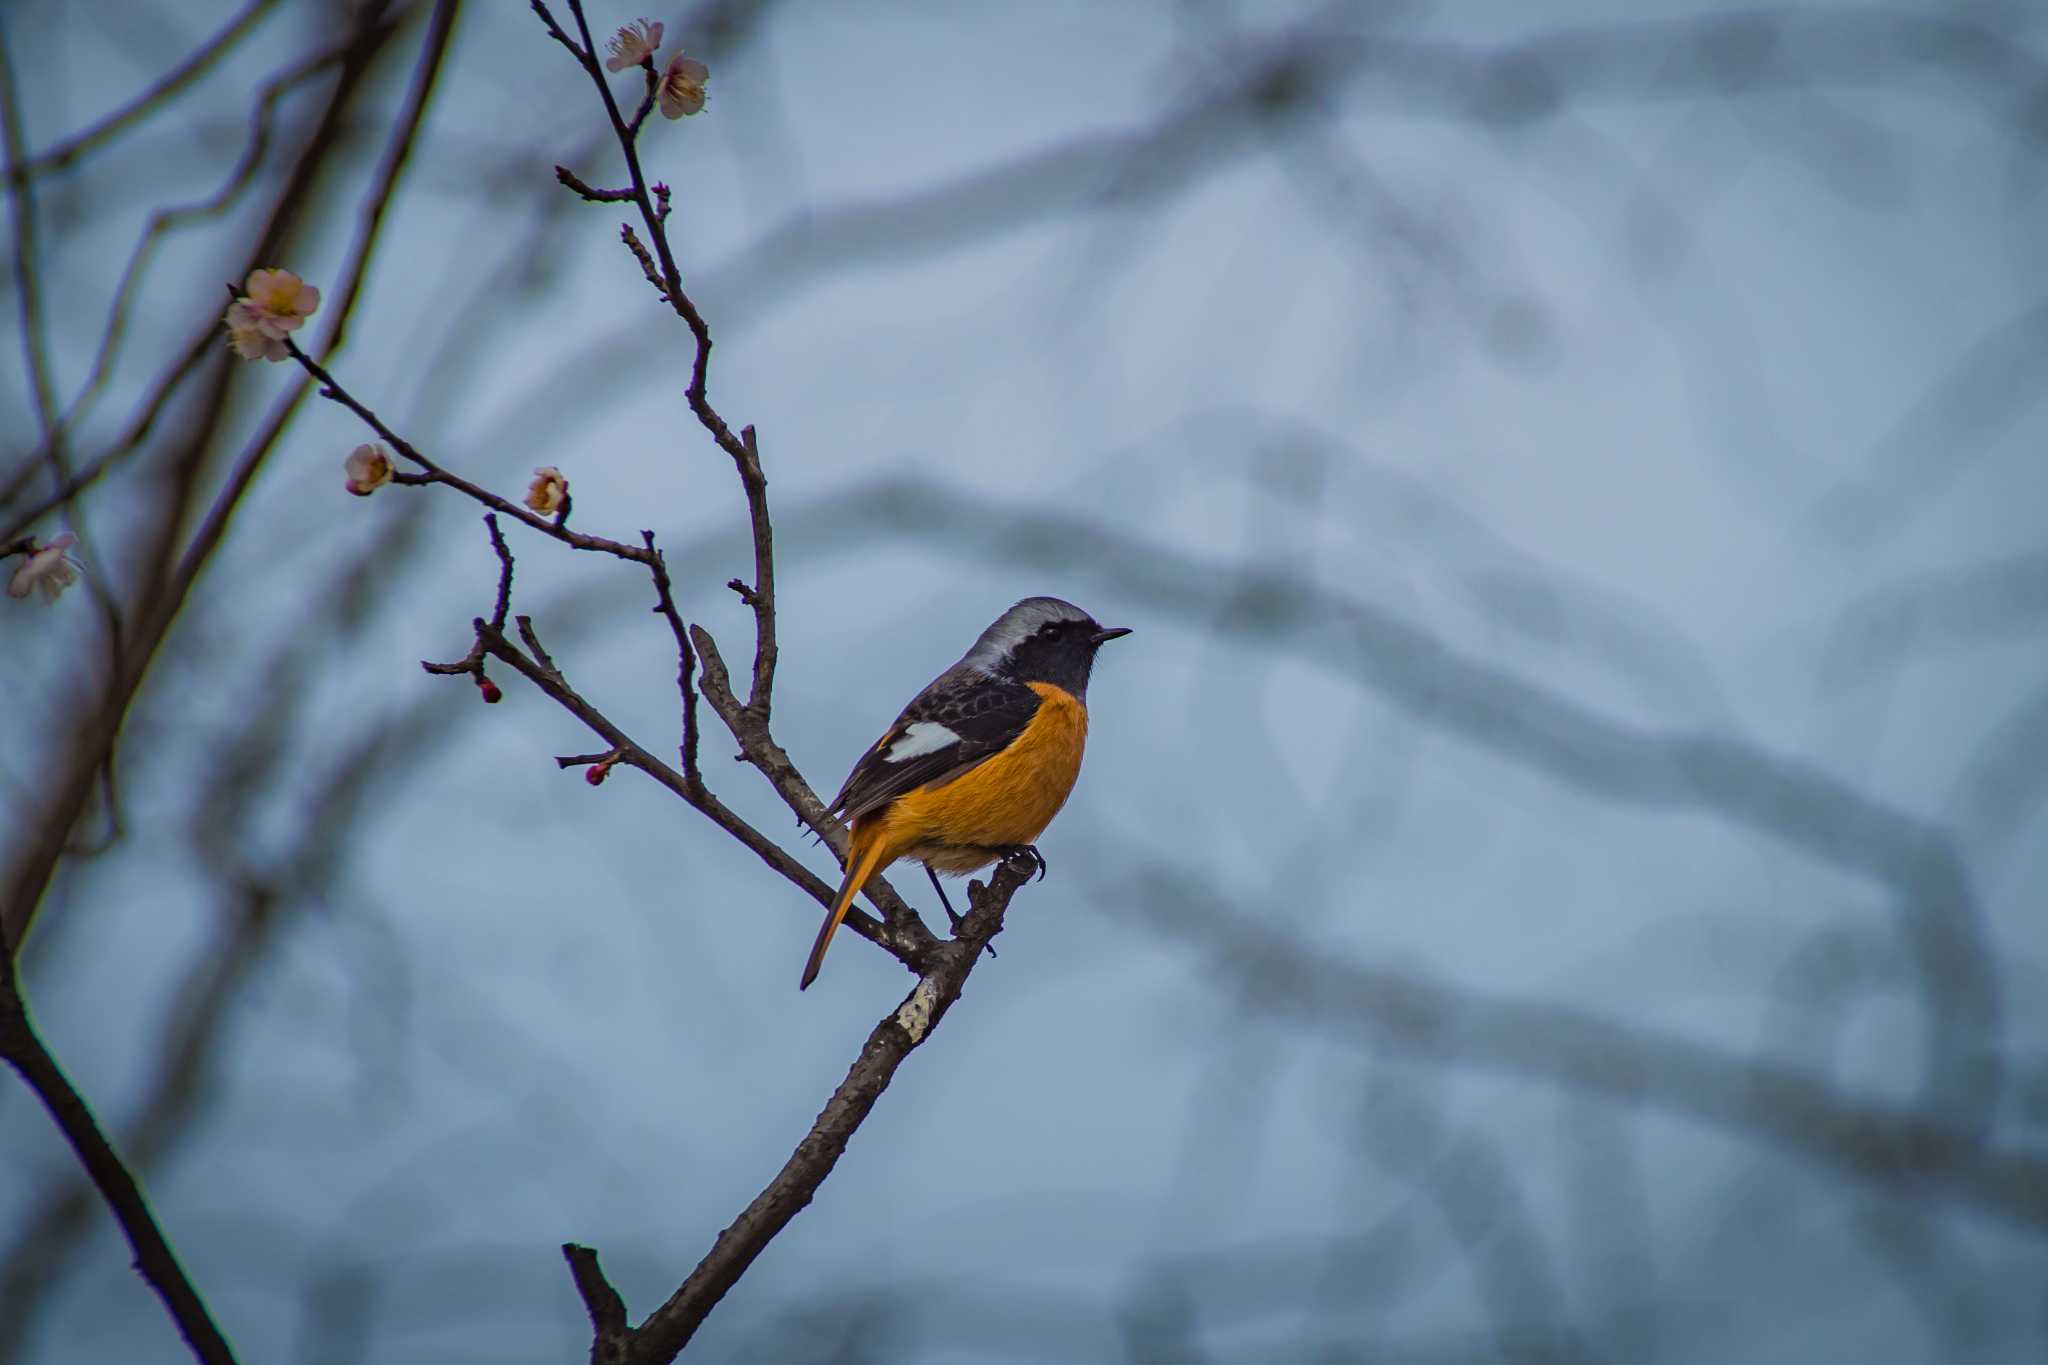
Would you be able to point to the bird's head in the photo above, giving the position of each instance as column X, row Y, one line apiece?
column 1042, row 639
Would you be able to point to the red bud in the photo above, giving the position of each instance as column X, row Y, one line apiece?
column 596, row 773
column 492, row 696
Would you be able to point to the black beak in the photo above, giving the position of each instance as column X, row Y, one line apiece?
column 1101, row 637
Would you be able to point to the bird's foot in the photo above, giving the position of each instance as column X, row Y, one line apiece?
column 1026, row 856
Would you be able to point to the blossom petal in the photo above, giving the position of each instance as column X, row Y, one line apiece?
column 633, row 44
column 548, row 492
column 47, row 570
column 254, row 335
column 368, row 468
column 679, row 99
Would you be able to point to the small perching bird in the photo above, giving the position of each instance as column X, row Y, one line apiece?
column 980, row 761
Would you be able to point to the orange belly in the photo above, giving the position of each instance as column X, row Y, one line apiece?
column 956, row 826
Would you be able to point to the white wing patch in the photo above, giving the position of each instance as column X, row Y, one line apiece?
column 923, row 737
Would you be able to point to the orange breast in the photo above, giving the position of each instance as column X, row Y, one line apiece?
column 1012, row 797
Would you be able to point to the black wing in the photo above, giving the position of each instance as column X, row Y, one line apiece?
column 979, row 717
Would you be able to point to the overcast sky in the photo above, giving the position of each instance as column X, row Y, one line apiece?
column 1541, row 510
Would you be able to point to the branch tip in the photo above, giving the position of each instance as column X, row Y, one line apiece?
column 607, row 1310
column 590, row 193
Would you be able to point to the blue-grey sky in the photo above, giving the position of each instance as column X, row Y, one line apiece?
column 1575, row 478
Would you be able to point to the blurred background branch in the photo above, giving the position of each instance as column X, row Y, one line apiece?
column 1564, row 872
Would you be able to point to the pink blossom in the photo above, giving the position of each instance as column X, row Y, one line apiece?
column 632, row 45
column 277, row 304
column 368, row 469
column 280, row 301
column 249, row 336
column 48, row 569
column 682, row 86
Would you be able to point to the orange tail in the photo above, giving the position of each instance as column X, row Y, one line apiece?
column 863, row 857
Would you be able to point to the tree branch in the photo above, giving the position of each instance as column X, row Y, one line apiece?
column 331, row 389
column 154, row 1258
column 909, row 941
column 1913, row 1148
column 161, row 599
column 149, row 102
column 669, row 1328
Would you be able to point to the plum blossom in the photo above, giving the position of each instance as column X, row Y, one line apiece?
column 682, row 86
column 368, row 469
column 281, row 299
column 47, row 569
column 549, row 491
column 276, row 303
column 632, row 45
column 249, row 337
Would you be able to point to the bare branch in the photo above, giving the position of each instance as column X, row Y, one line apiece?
column 98, row 732
column 669, row 1328
column 504, row 600
column 204, row 345
column 162, row 599
column 607, row 1309
column 172, row 83
column 569, row 180
column 1904, row 1147
column 908, row 941
column 28, row 276
column 686, row 657
column 761, row 594
column 331, row 388
column 153, row 1255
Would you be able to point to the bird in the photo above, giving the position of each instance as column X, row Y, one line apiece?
column 981, row 760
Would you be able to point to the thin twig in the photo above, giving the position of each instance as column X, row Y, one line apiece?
column 205, row 343
column 908, row 941
column 659, row 266
column 28, row 278
column 100, row 724
column 647, row 266
column 761, row 597
column 97, row 735
column 686, row 659
column 555, row 30
column 504, row 553
column 942, row 967
column 472, row 663
column 596, row 196
column 61, row 155
column 531, row 638
column 758, row 748
column 332, row 389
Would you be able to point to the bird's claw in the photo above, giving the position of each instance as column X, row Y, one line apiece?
column 1029, row 856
